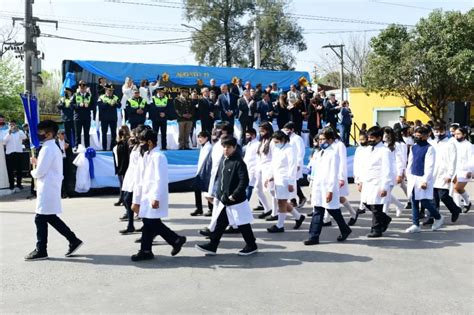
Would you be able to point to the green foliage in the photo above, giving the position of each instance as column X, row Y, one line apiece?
column 225, row 34
column 429, row 65
column 11, row 85
column 48, row 94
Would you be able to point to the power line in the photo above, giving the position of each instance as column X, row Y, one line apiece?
column 140, row 42
column 402, row 5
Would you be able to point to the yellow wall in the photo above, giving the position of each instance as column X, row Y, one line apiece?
column 363, row 107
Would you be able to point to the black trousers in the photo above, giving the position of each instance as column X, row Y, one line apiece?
column 379, row 218
column 299, row 191
column 69, row 129
column 14, row 168
column 67, row 176
column 81, row 125
column 161, row 125
column 41, row 221
column 120, row 178
column 317, row 222
column 198, row 200
column 104, row 126
column 312, row 133
column 443, row 195
column 206, row 125
column 152, row 228
column 127, row 202
column 246, row 124
column 221, row 225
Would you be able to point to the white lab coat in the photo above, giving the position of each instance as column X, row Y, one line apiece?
column 376, row 175
column 445, row 163
column 216, row 156
column 132, row 171
column 393, row 165
column 324, row 175
column 238, row 214
column 360, row 155
column 283, row 171
column 299, row 148
column 265, row 161
column 83, row 179
column 49, row 176
column 251, row 160
column 464, row 161
column 401, row 157
column 414, row 182
column 340, row 148
column 203, row 153
column 3, row 163
column 153, row 185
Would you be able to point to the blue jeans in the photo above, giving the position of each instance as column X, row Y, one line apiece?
column 425, row 203
column 344, row 131
column 248, row 192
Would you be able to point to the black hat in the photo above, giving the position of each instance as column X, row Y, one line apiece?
column 109, row 86
column 160, row 88
column 67, row 89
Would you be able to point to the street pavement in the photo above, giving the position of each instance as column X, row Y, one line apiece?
column 426, row 273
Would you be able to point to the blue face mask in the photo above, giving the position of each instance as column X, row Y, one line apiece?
column 324, row 145
column 279, row 145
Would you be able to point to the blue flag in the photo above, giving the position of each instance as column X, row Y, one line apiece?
column 30, row 104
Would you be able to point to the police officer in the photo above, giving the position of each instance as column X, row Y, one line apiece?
column 159, row 114
column 136, row 109
column 83, row 105
column 108, row 104
column 67, row 114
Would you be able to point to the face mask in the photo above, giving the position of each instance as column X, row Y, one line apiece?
column 460, row 139
column 279, row 145
column 41, row 137
column 364, row 144
column 248, row 139
column 440, row 137
column 372, row 143
column 324, row 145
column 417, row 140
column 143, row 148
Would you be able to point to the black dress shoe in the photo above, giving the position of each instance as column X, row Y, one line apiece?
column 73, row 247
column 302, row 202
column 353, row 221
column 299, row 222
column 205, row 232
column 374, row 234
column 138, row 240
column 141, row 255
column 293, row 203
column 272, row 218
column 467, row 208
column 360, row 211
column 207, row 248
column 310, row 214
column 124, row 217
column 258, row 208
column 275, row 229
column 178, row 245
column 264, row 215
column 343, row 236
column 208, row 214
column 231, row 230
column 127, row 231
column 327, row 223
column 139, row 230
column 428, row 221
column 311, row 242
column 118, row 204
column 408, row 205
column 455, row 216
column 385, row 226
column 196, row 213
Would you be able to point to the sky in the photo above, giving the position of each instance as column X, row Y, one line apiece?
column 114, row 20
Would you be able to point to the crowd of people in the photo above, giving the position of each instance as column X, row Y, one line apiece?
column 431, row 165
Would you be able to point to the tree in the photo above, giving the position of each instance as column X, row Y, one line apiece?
column 228, row 25
column 48, row 94
column 11, row 85
column 429, row 66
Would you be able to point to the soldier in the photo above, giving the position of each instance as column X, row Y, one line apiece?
column 136, row 109
column 108, row 104
column 159, row 114
column 185, row 111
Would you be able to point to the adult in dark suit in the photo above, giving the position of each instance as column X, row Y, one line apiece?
column 247, row 109
column 402, row 123
column 265, row 109
column 206, row 111
column 227, row 109
column 214, row 87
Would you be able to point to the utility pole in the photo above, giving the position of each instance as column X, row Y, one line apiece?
column 340, row 55
column 256, row 45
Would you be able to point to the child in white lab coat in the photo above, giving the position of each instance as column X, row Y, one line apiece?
column 359, row 157
column 464, row 167
column 325, row 188
column 150, row 198
column 282, row 181
column 264, row 163
column 201, row 181
column 49, row 175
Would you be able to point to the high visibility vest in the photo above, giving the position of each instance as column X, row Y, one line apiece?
column 134, row 103
column 160, row 102
column 107, row 100
column 80, row 99
column 66, row 101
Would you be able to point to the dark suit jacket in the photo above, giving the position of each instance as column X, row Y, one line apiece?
column 224, row 106
column 244, row 110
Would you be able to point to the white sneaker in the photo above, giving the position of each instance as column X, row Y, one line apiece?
column 413, row 229
column 399, row 212
column 437, row 224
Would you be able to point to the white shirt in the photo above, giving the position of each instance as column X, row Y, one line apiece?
column 49, row 176
column 62, row 144
column 13, row 142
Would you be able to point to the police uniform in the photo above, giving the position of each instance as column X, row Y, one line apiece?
column 133, row 106
column 83, row 105
column 67, row 116
column 158, row 114
column 108, row 106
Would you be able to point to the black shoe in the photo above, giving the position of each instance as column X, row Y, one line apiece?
column 139, row 230
column 422, row 213
column 137, row 218
column 343, row 236
column 73, row 247
column 118, row 204
column 360, row 211
column 293, row 203
column 141, row 255
column 138, row 240
column 258, row 208
column 272, row 218
column 196, row 213
column 248, row 250
column 385, row 227
column 205, row 232
column 264, row 215
column 207, row 248
column 455, row 216
column 231, row 230
column 408, row 205
column 36, row 255
column 311, row 242
column 353, row 221
column 467, row 208
column 124, row 217
column 428, row 221
column 20, row 187
column 179, row 244
column 275, row 229
column 127, row 231
column 302, row 203
column 310, row 214
column 299, row 222
column 208, row 214
column 327, row 223
column 374, row 234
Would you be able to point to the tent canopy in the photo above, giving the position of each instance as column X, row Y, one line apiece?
column 188, row 75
